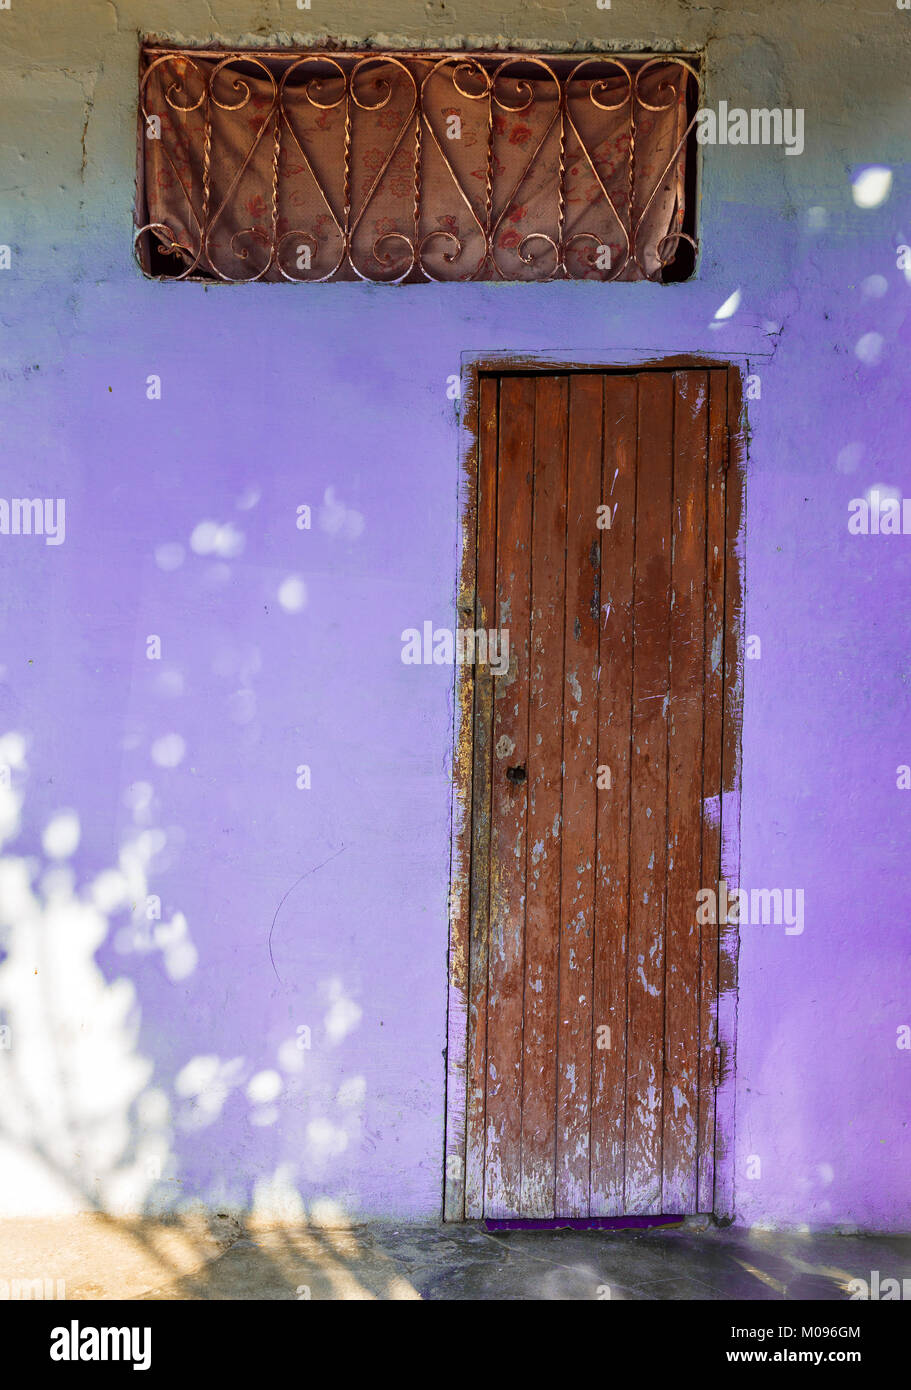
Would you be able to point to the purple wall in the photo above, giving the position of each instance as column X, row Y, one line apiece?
column 335, row 397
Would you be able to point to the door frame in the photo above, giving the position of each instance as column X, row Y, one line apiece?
column 474, row 367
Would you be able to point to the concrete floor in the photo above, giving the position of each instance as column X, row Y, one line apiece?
column 224, row 1258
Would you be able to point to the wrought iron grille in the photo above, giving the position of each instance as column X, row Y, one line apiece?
column 405, row 167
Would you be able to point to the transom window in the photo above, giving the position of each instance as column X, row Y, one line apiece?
column 406, row 167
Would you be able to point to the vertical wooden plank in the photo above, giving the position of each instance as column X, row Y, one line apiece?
column 545, row 737
column 457, row 1024
column 615, row 693
column 684, row 795
column 580, row 745
column 648, row 835
column 509, row 800
column 729, row 936
column 476, row 1065
column 711, row 778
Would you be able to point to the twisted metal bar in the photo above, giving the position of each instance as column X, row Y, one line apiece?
column 311, row 89
column 381, row 82
column 241, row 253
column 174, row 246
column 557, row 116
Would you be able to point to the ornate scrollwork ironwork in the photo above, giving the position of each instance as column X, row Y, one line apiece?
column 357, row 142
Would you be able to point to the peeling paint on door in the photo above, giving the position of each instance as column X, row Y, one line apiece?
column 587, row 895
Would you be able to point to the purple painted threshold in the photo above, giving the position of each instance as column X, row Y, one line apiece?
column 581, row 1223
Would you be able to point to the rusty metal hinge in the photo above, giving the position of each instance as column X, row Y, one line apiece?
column 716, row 1067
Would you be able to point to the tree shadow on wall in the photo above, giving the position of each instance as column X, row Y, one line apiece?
column 84, row 1128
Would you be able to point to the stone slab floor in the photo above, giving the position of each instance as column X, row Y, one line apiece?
column 222, row 1257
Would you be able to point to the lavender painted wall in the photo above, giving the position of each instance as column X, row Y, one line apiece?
column 157, row 1066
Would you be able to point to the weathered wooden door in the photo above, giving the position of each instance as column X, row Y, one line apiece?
column 596, row 784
